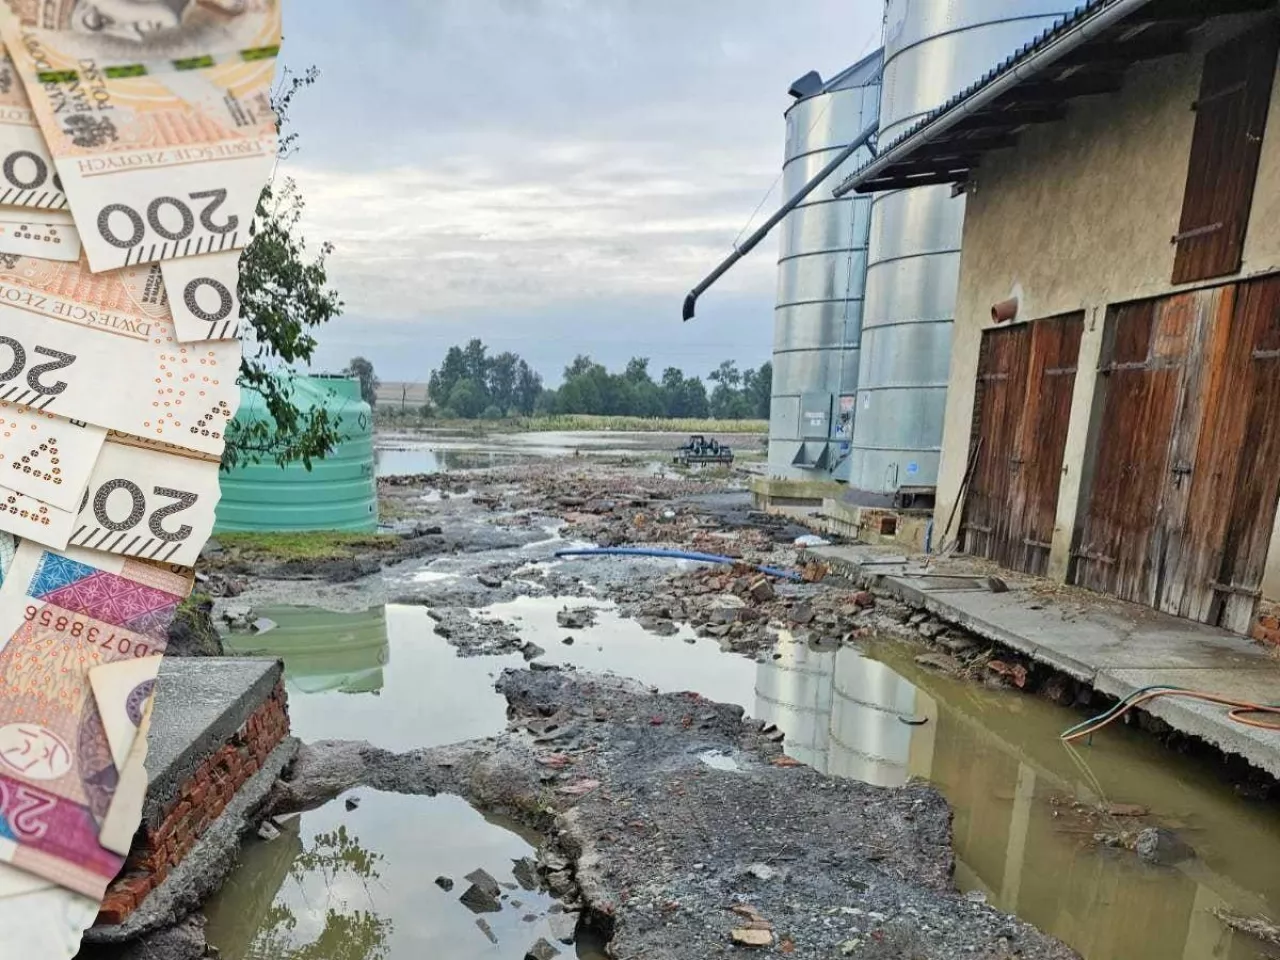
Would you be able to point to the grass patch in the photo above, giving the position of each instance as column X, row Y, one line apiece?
column 319, row 545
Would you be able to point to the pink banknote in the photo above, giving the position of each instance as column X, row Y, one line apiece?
column 62, row 615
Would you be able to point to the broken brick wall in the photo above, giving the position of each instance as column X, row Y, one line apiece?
column 197, row 803
column 1267, row 628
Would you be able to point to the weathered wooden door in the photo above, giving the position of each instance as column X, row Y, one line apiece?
column 1253, row 491
column 1186, row 452
column 1026, row 375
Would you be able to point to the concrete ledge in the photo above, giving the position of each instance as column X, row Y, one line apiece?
column 769, row 491
column 1116, row 647
column 204, row 869
column 200, row 704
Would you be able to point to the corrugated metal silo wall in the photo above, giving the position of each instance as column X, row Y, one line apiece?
column 821, row 275
column 933, row 49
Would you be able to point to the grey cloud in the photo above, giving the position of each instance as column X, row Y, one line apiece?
column 550, row 161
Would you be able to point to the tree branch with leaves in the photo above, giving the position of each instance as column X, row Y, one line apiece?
column 284, row 297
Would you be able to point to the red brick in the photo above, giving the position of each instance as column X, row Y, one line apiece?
column 115, row 909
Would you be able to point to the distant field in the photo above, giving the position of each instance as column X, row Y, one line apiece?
column 572, row 423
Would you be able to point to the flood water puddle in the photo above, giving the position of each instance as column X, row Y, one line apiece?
column 1019, row 838
column 361, row 884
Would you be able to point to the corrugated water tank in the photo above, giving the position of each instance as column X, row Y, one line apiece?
column 339, row 492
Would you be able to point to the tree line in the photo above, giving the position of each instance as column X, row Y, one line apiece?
column 471, row 384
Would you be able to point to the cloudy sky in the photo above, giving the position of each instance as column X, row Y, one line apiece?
column 551, row 175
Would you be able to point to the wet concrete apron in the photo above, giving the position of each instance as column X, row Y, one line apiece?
column 359, row 882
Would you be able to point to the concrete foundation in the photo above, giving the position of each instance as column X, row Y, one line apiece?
column 906, row 530
column 1116, row 647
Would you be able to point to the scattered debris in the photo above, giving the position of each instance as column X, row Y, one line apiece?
column 1257, row 927
column 542, row 950
column 444, row 883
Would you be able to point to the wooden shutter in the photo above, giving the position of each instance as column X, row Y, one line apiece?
column 1231, row 118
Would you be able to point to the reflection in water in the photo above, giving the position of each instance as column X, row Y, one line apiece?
column 322, row 650
column 997, row 758
column 995, row 755
column 359, row 885
column 410, row 461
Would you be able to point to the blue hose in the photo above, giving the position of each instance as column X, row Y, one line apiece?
column 676, row 555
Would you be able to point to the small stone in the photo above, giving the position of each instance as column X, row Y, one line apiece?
column 762, row 871
column 489, row 580
column 486, row 929
column 478, row 900
column 747, row 937
column 931, row 629
column 531, row 651
column 863, row 600
column 352, row 802
column 542, row 950
column 444, row 883
column 957, row 646
column 1163, row 847
column 564, row 926
column 761, row 590
column 526, row 873
column 484, row 880
column 567, row 641
column 268, row 831
column 802, row 614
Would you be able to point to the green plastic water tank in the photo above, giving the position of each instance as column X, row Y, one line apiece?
column 339, row 492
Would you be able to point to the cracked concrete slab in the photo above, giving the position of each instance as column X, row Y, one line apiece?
column 1117, row 647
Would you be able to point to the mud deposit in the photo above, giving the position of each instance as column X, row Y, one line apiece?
column 653, row 812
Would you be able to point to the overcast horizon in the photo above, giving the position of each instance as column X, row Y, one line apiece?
column 551, row 176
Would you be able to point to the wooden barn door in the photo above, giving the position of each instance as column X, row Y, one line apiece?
column 1186, row 454
column 1026, row 375
column 1250, row 478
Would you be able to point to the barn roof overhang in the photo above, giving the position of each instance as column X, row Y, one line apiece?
column 1085, row 54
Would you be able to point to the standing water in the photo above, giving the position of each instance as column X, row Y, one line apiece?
column 360, row 882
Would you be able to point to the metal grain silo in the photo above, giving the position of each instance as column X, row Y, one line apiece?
column 821, row 273
column 933, row 50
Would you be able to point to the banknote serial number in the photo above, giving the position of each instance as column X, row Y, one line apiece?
column 168, row 217
column 79, row 630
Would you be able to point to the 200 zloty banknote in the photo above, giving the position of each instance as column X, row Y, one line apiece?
column 102, row 348
column 158, row 118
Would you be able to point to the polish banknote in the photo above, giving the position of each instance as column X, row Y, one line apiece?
column 159, row 118
column 140, row 502
column 28, row 177
column 46, row 457
column 8, row 547
column 204, row 295
column 50, row 234
column 123, row 690
column 62, row 614
column 146, row 500
column 125, row 813
column 102, row 348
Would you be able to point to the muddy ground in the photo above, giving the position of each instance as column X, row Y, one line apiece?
column 681, row 829
column 647, row 838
